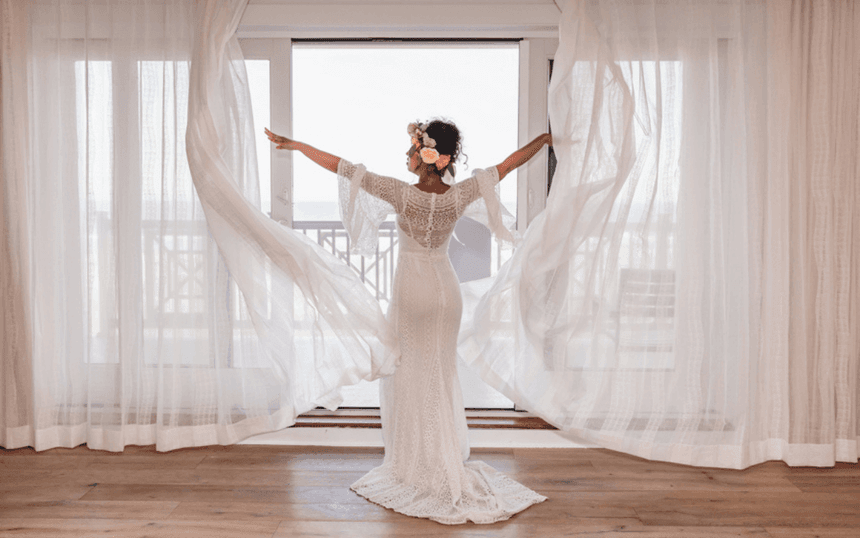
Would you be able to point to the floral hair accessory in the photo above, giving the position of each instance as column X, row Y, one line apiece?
column 426, row 146
column 418, row 132
column 429, row 155
column 415, row 131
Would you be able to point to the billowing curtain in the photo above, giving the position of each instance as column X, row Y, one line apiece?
column 146, row 298
column 691, row 292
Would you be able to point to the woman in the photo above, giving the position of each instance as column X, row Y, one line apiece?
column 425, row 473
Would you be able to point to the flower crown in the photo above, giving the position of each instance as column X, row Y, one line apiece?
column 426, row 147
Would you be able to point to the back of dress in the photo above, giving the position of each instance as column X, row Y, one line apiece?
column 366, row 199
column 429, row 218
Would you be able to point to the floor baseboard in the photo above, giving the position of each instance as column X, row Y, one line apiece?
column 478, row 438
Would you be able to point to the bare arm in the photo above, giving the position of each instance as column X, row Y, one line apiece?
column 326, row 160
column 522, row 155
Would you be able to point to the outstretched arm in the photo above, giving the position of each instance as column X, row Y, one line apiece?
column 326, row 160
column 522, row 155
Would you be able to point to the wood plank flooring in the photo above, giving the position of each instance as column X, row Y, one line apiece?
column 296, row 492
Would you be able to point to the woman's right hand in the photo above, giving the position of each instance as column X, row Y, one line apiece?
column 326, row 160
column 282, row 141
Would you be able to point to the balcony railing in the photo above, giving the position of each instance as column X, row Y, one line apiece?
column 177, row 258
column 377, row 273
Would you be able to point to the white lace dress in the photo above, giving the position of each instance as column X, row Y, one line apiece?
column 425, row 472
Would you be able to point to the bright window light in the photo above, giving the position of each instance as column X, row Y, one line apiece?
column 356, row 100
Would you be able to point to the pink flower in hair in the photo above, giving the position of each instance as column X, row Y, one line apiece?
column 443, row 161
column 429, row 155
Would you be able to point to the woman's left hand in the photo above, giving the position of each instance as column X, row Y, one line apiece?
column 548, row 139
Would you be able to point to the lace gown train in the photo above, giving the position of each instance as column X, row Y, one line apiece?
column 425, row 472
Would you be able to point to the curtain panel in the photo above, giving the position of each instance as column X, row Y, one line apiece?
column 703, row 307
column 147, row 299
column 16, row 381
column 808, row 221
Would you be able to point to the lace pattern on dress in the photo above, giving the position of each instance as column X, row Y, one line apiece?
column 485, row 495
column 362, row 210
column 366, row 199
column 430, row 218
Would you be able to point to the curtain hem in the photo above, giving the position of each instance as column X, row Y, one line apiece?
column 165, row 440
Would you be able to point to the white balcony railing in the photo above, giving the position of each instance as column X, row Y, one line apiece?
column 377, row 273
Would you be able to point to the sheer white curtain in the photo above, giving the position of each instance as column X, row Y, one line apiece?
column 316, row 322
column 16, row 395
column 691, row 292
column 139, row 315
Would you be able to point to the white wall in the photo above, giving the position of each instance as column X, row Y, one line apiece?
column 433, row 18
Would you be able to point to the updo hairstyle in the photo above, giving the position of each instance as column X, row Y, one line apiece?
column 447, row 137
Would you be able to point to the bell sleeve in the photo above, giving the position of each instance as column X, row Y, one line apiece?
column 481, row 197
column 366, row 199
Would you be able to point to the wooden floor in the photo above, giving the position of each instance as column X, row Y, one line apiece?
column 252, row 491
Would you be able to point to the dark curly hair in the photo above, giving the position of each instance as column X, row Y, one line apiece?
column 447, row 137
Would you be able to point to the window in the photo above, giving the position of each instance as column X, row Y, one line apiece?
column 154, row 138
column 381, row 88
column 93, row 105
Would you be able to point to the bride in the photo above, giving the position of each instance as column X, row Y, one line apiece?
column 425, row 472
